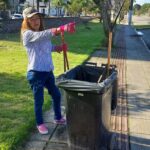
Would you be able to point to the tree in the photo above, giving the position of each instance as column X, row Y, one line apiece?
column 137, row 9
column 75, row 7
column 124, row 10
column 88, row 6
column 145, row 9
column 4, row 4
column 58, row 4
column 142, row 10
column 105, row 10
column 106, row 7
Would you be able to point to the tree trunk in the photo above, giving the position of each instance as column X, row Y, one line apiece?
column 104, row 7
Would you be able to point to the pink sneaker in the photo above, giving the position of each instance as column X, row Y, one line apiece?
column 60, row 121
column 42, row 129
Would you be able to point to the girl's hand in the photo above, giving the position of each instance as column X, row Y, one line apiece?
column 55, row 31
column 64, row 47
column 58, row 48
column 70, row 27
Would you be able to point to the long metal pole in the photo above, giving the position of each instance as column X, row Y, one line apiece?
column 130, row 12
column 38, row 5
column 33, row 3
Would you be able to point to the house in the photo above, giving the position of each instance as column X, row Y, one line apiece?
column 47, row 8
column 15, row 5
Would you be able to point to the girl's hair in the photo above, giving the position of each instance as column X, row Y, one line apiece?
column 26, row 26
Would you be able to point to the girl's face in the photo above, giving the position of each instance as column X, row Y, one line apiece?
column 35, row 22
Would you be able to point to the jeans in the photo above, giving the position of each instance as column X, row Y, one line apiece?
column 39, row 80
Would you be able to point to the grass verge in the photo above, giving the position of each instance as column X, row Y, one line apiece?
column 142, row 26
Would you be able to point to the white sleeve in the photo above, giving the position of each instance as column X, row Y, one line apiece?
column 32, row 36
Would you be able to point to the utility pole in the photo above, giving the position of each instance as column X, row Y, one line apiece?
column 37, row 5
column 33, row 4
column 49, row 8
column 14, row 5
column 130, row 12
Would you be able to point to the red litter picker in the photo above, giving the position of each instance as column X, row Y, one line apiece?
column 70, row 27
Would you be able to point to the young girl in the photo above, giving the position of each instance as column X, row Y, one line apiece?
column 40, row 66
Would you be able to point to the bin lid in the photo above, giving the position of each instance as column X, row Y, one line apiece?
column 84, row 86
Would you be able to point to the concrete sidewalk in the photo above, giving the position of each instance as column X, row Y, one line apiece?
column 135, row 71
column 138, row 90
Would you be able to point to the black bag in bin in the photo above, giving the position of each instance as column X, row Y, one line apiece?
column 85, row 77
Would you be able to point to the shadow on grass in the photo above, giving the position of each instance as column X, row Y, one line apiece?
column 17, row 114
column 13, row 37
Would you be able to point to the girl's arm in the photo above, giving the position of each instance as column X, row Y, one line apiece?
column 32, row 36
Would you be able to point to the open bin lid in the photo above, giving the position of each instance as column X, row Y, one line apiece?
column 74, row 79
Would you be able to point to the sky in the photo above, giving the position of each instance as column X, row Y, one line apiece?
column 141, row 2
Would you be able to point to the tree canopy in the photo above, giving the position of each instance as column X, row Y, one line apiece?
column 4, row 4
column 145, row 8
column 106, row 7
column 75, row 7
column 142, row 10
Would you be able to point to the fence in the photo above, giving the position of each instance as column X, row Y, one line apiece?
column 14, row 25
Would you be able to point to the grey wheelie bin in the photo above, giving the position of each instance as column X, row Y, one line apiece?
column 88, row 106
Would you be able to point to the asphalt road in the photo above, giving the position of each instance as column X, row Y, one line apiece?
column 140, row 20
column 146, row 36
column 143, row 20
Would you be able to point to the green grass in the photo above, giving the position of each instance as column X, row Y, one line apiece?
column 142, row 26
column 16, row 101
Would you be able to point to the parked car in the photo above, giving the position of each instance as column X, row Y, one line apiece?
column 17, row 16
